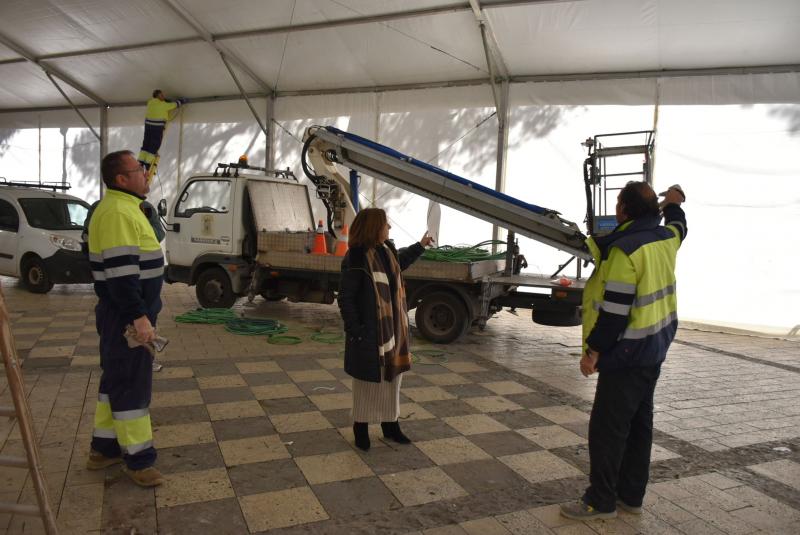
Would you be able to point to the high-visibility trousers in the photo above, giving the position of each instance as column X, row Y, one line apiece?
column 151, row 144
column 122, row 415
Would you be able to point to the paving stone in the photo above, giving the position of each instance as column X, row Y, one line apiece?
column 388, row 460
column 174, row 385
column 474, row 424
column 428, row 430
column 330, row 467
column 427, row 393
column 223, row 517
column 256, row 478
column 234, row 410
column 226, row 395
column 169, row 436
column 220, row 381
column 181, row 398
column 288, row 405
column 469, row 390
column 318, row 442
column 189, row 458
column 784, row 471
column 306, row 375
column 267, row 378
column 492, row 404
column 193, row 487
column 451, row 450
column 448, row 407
column 425, row 485
column 258, row 367
column 242, row 428
column 355, row 497
column 551, row 436
column 283, row 508
column 481, row 476
column 299, row 421
column 562, row 414
column 484, row 526
column 539, row 466
column 253, row 450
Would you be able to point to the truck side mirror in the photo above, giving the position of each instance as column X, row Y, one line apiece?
column 162, row 207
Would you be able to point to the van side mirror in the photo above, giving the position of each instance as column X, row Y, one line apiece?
column 162, row 207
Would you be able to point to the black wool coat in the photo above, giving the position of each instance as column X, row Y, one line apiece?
column 359, row 310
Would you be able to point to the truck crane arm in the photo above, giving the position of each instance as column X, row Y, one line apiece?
column 325, row 146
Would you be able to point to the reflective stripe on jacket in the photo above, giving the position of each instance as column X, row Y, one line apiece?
column 630, row 308
column 125, row 256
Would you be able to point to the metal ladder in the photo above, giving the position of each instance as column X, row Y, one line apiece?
column 21, row 411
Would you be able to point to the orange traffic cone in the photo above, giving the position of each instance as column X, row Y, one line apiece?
column 341, row 243
column 320, row 247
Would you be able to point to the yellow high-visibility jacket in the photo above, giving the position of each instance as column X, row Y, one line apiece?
column 125, row 256
column 157, row 113
column 630, row 307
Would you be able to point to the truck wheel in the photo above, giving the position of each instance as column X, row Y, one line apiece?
column 35, row 277
column 272, row 295
column 214, row 290
column 557, row 318
column 442, row 317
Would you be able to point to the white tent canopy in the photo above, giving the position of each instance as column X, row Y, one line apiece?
column 719, row 78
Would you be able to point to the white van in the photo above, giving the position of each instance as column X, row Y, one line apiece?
column 40, row 236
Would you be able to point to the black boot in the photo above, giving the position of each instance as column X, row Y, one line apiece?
column 392, row 430
column 361, row 432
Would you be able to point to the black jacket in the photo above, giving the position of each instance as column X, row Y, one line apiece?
column 358, row 307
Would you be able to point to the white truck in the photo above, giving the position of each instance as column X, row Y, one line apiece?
column 236, row 232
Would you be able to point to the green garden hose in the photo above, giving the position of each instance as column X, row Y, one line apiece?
column 253, row 327
column 475, row 253
column 284, row 340
column 327, row 338
column 207, row 315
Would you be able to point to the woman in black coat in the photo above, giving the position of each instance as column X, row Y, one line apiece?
column 372, row 301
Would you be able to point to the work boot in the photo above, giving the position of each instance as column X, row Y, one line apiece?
column 632, row 509
column 146, row 477
column 581, row 511
column 361, row 432
column 98, row 461
column 392, row 431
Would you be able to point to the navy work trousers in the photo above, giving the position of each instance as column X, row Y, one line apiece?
column 621, row 436
column 122, row 419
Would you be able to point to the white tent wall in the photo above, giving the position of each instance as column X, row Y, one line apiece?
column 729, row 140
column 53, row 146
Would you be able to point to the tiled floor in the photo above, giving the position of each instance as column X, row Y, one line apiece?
column 255, row 437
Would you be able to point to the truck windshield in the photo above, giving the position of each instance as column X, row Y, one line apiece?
column 55, row 214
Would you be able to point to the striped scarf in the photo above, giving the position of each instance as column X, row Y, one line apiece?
column 393, row 350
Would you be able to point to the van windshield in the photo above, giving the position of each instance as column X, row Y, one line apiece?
column 55, row 214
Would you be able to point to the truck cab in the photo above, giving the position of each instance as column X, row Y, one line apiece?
column 212, row 228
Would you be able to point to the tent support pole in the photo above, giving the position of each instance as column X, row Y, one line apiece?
column 269, row 150
column 502, row 149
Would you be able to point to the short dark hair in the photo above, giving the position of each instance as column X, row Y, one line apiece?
column 639, row 200
column 156, row 92
column 111, row 166
column 365, row 231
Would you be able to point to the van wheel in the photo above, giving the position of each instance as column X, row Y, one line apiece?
column 214, row 290
column 35, row 276
column 442, row 317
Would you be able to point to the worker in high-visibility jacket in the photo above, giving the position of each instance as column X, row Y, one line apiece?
column 155, row 121
column 629, row 320
column 128, row 267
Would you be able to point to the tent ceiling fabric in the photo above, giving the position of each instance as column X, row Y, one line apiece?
column 534, row 38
